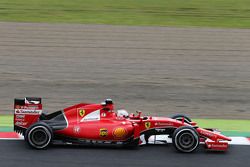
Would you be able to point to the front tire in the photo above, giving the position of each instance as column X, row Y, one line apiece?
column 39, row 135
column 186, row 139
column 132, row 144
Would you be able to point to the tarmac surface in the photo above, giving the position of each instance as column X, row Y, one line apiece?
column 16, row 153
column 201, row 72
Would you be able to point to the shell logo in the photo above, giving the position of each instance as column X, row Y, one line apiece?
column 119, row 132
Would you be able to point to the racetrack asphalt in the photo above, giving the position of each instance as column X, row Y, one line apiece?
column 16, row 153
column 201, row 72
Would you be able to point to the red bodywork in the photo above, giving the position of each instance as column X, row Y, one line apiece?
column 99, row 122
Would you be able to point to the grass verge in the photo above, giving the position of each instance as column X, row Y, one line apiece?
column 212, row 13
column 6, row 120
column 225, row 125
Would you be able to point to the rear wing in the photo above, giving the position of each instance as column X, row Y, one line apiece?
column 26, row 112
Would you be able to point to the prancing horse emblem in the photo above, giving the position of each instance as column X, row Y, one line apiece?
column 147, row 125
column 81, row 112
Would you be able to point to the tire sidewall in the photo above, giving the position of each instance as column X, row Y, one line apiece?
column 134, row 144
column 185, row 130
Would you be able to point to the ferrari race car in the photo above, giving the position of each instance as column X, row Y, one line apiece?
column 98, row 124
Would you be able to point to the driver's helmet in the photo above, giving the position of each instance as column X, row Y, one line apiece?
column 122, row 113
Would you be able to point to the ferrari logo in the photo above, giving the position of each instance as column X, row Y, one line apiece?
column 81, row 112
column 103, row 132
column 147, row 125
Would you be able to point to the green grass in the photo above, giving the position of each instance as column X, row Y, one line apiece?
column 6, row 120
column 225, row 125
column 205, row 13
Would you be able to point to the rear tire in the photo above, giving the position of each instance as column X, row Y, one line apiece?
column 39, row 135
column 186, row 139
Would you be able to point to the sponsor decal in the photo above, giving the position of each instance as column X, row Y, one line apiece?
column 163, row 124
column 211, row 145
column 20, row 120
column 21, row 123
column 119, row 132
column 30, row 107
column 220, row 145
column 147, row 125
column 205, row 133
column 93, row 116
column 28, row 111
column 81, row 112
column 160, row 130
column 90, row 119
column 20, row 116
column 103, row 132
column 76, row 129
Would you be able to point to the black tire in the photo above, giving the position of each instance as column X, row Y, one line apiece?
column 39, row 135
column 132, row 144
column 180, row 116
column 186, row 139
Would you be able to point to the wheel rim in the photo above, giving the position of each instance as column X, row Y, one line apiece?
column 39, row 137
column 186, row 140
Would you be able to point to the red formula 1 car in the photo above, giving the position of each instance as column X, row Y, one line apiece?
column 98, row 123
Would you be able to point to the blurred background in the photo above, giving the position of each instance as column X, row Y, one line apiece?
column 158, row 56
